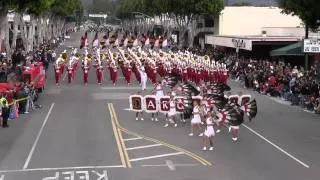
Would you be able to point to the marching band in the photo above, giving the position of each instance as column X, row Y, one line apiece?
column 199, row 81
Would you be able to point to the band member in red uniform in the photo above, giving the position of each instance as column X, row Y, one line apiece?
column 113, row 72
column 64, row 58
column 153, row 73
column 127, row 72
column 70, row 70
column 136, row 71
column 99, row 72
column 86, row 68
column 57, row 71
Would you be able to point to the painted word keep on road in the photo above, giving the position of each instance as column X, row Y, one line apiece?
column 75, row 175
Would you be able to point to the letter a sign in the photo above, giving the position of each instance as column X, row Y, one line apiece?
column 136, row 103
column 164, row 104
column 151, row 104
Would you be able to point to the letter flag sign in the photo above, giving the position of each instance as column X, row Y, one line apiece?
column 151, row 104
column 164, row 104
column 136, row 103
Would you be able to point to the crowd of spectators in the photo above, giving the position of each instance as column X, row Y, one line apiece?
column 290, row 83
column 279, row 79
column 18, row 94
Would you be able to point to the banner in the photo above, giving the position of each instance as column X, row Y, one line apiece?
column 136, row 103
column 234, row 99
column 151, row 104
column 179, row 103
column 244, row 99
column 164, row 103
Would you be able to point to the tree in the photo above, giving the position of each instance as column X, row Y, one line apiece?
column 307, row 10
column 44, row 22
column 184, row 12
column 309, row 13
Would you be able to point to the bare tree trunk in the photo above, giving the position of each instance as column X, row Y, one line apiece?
column 31, row 34
column 3, row 25
column 7, row 38
column 39, row 30
column 16, row 24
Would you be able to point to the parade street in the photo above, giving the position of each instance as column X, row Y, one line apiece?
column 87, row 132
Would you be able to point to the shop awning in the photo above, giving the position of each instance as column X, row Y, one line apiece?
column 290, row 50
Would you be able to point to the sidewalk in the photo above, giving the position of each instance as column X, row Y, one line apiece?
column 278, row 100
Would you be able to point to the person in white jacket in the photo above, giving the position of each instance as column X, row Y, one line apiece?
column 144, row 78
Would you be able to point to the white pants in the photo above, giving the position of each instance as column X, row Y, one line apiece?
column 144, row 82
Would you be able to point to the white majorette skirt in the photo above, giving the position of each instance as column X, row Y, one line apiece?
column 172, row 112
column 196, row 119
column 234, row 127
column 209, row 132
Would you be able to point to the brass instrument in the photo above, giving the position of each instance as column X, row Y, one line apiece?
column 102, row 43
column 64, row 56
column 89, row 58
column 102, row 56
column 78, row 56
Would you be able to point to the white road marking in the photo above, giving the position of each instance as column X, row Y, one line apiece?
column 61, row 168
column 125, row 88
column 25, row 166
column 165, row 165
column 276, row 146
column 143, row 147
column 132, row 139
column 157, row 156
column 171, row 165
column 127, row 109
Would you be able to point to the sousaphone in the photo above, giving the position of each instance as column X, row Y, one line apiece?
column 64, row 56
column 102, row 43
column 78, row 56
column 89, row 57
column 102, row 56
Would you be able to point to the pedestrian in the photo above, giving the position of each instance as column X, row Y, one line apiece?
column 144, row 77
column 159, row 93
column 139, row 114
column 5, row 111
column 196, row 119
column 209, row 132
column 171, row 116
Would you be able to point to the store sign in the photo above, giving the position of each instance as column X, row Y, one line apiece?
column 98, row 15
column 236, row 43
column 311, row 45
column 239, row 43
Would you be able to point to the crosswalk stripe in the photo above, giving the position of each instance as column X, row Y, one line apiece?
column 124, row 88
column 143, row 147
column 132, row 139
column 157, row 156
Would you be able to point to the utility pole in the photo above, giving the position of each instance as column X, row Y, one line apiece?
column 306, row 56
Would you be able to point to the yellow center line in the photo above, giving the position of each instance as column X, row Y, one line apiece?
column 126, row 156
column 116, row 135
column 190, row 154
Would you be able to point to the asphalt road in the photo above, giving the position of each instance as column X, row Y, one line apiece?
column 87, row 133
